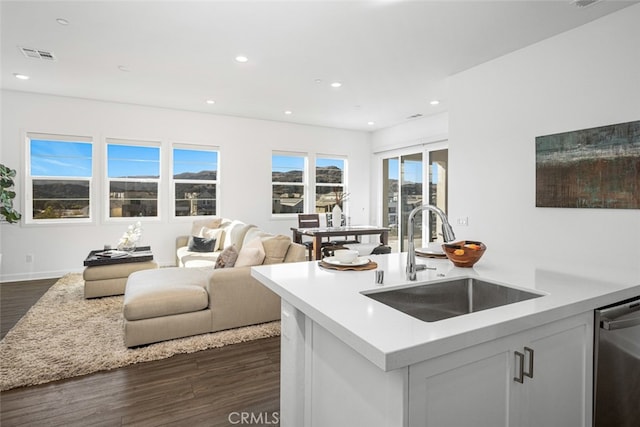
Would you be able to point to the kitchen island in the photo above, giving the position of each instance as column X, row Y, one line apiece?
column 350, row 360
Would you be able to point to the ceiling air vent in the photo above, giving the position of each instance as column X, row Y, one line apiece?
column 37, row 54
column 583, row 3
column 414, row 116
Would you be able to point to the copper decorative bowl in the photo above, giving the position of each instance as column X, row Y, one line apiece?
column 464, row 253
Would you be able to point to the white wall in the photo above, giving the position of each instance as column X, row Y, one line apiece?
column 583, row 78
column 245, row 172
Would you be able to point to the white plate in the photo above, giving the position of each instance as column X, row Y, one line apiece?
column 358, row 261
column 430, row 251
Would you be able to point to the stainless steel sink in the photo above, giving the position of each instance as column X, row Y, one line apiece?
column 450, row 298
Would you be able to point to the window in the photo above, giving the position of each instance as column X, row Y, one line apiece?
column 133, row 175
column 195, row 180
column 330, row 184
column 58, row 178
column 287, row 183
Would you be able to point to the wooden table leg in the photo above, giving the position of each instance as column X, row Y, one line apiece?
column 384, row 238
column 317, row 247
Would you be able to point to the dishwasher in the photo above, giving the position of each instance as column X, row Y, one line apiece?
column 616, row 364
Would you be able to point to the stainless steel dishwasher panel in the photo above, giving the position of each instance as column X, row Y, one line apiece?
column 617, row 365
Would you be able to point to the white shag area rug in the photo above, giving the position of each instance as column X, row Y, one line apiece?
column 64, row 335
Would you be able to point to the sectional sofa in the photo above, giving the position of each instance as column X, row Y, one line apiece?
column 206, row 292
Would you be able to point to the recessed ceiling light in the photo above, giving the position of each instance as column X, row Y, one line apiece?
column 434, row 102
column 210, row 101
column 336, row 84
column 21, row 76
column 62, row 21
column 371, row 123
column 241, row 58
column 288, row 112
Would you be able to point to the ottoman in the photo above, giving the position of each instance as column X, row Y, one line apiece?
column 108, row 280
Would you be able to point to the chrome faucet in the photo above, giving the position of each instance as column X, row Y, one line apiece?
column 447, row 234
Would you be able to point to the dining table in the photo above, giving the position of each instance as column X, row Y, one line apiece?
column 319, row 233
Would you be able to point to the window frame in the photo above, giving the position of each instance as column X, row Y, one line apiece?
column 29, row 179
column 304, row 184
column 173, row 181
column 107, row 179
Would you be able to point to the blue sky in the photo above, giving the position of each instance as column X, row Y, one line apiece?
column 194, row 161
column 55, row 158
column 412, row 170
column 73, row 159
column 127, row 160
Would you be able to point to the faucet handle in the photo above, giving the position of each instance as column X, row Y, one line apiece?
column 379, row 277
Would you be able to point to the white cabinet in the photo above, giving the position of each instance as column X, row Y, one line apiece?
column 327, row 383
column 477, row 386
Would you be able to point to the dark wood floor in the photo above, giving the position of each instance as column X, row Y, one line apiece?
column 207, row 388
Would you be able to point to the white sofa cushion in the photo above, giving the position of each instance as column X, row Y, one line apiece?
column 234, row 234
column 165, row 292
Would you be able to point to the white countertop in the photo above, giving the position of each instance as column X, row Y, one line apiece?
column 391, row 339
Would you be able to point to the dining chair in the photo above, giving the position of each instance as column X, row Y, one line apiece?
column 309, row 221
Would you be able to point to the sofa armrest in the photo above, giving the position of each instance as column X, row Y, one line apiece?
column 181, row 241
column 236, row 298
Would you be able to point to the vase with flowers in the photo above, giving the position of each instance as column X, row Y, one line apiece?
column 130, row 238
column 336, row 212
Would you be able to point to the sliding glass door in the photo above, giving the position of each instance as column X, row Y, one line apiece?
column 403, row 190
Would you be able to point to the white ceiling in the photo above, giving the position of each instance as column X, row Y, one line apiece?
column 391, row 56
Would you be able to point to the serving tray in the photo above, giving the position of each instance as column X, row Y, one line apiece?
column 368, row 266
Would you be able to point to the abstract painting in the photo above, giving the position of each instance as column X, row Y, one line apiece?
column 590, row 168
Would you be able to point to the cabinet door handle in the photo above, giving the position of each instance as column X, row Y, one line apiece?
column 520, row 367
column 529, row 373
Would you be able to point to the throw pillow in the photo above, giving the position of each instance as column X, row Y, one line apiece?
column 227, row 258
column 275, row 248
column 251, row 254
column 212, row 233
column 201, row 244
column 209, row 223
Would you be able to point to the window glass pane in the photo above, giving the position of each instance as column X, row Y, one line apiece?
column 128, row 199
column 329, row 171
column 60, row 199
column 195, row 199
column 329, row 183
column 287, row 168
column 60, row 158
column 410, row 195
column 131, row 161
column 195, row 164
column 288, row 199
